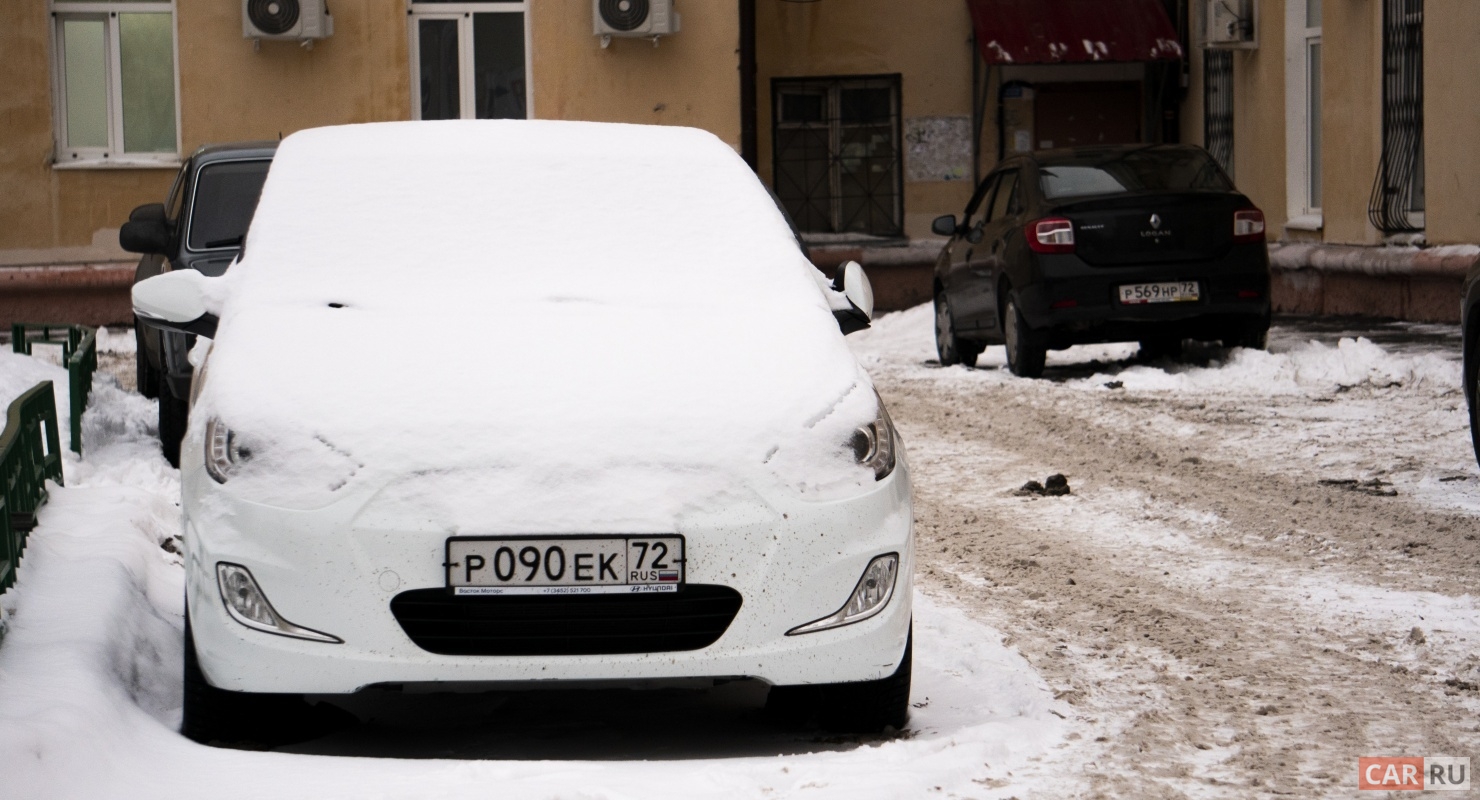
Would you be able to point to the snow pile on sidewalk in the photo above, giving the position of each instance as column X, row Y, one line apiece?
column 907, row 339
column 90, row 686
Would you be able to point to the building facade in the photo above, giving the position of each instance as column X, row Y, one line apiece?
column 1347, row 124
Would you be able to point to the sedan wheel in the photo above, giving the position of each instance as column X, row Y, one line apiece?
column 1026, row 350
column 948, row 348
column 1475, row 397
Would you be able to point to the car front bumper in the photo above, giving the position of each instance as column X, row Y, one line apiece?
column 792, row 562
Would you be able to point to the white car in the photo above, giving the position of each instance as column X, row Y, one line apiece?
column 490, row 403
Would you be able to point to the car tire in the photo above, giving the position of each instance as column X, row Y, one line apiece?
column 1473, row 358
column 1254, row 336
column 174, row 415
column 1026, row 350
column 862, row 707
column 949, row 348
column 1158, row 347
column 147, row 379
column 211, row 715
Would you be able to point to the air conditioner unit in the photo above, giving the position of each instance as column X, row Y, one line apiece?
column 1231, row 23
column 636, row 18
column 286, row 19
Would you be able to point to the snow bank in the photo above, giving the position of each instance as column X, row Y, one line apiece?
column 457, row 297
column 907, row 338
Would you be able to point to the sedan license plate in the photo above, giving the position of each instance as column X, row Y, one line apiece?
column 564, row 565
column 1168, row 292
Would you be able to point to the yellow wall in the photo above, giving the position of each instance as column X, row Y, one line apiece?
column 1351, row 65
column 928, row 44
column 691, row 78
column 1452, row 121
column 228, row 92
column 1259, row 119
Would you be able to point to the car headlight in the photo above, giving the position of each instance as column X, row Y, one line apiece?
column 874, row 444
column 223, row 452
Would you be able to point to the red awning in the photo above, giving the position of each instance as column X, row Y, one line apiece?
column 1073, row 31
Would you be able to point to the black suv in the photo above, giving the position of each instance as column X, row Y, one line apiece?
column 1148, row 244
column 200, row 226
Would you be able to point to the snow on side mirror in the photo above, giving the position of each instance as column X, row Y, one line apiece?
column 177, row 301
column 859, row 293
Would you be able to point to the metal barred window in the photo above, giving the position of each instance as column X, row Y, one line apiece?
column 836, row 159
column 1218, row 106
column 1397, row 201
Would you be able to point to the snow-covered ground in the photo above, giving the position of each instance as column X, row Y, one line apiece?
column 1225, row 606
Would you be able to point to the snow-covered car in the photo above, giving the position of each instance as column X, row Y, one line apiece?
column 504, row 402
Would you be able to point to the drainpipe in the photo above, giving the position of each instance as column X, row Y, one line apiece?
column 749, row 150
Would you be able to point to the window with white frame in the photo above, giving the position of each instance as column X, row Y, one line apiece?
column 470, row 60
column 1303, row 109
column 115, row 82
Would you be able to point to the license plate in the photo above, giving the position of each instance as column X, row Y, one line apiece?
column 1168, row 292
column 564, row 565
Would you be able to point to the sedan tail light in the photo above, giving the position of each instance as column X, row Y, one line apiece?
column 1248, row 225
column 1051, row 235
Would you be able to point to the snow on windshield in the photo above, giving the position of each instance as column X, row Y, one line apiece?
column 610, row 306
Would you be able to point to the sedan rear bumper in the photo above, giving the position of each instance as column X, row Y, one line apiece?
column 1078, row 303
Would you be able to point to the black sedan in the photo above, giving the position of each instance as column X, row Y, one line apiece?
column 1470, row 318
column 1142, row 243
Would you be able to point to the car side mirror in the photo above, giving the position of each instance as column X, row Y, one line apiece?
column 149, row 212
column 146, row 230
column 853, row 283
column 176, row 301
column 944, row 225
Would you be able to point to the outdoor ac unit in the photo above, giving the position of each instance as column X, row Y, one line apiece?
column 637, row 18
column 1230, row 23
column 286, row 19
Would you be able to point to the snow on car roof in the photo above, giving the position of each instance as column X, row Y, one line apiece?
column 434, row 296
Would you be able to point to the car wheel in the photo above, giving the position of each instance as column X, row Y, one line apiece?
column 210, row 714
column 174, row 415
column 145, row 377
column 216, row 715
column 1254, row 336
column 1026, row 350
column 863, row 707
column 949, row 348
column 1158, row 347
column 1475, row 395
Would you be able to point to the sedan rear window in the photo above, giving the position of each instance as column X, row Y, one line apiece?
column 225, row 197
column 1145, row 170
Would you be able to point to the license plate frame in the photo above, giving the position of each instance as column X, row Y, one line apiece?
column 658, row 569
column 1140, row 294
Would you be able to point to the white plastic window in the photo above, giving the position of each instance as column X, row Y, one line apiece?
column 115, row 81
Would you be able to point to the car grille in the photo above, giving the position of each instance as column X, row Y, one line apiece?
column 691, row 618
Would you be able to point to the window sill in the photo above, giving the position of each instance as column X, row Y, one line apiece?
column 167, row 162
column 1305, row 222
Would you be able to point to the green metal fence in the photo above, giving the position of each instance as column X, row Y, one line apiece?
column 80, row 355
column 30, row 454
